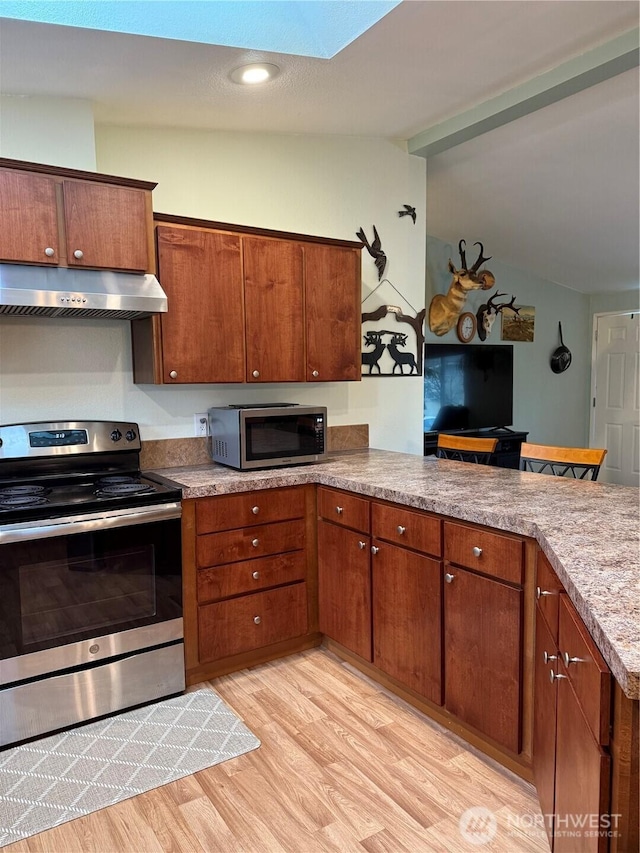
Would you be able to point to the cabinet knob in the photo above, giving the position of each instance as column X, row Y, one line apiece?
column 49, row 252
column 315, row 374
column 173, row 374
column 257, row 620
column 255, row 542
column 448, row 577
column 255, row 374
column 477, row 551
column 546, row 657
column 554, row 675
column 568, row 660
column 78, row 254
column 362, row 545
column 255, row 510
column 374, row 549
column 541, row 592
column 339, row 510
column 255, row 575
column 400, row 529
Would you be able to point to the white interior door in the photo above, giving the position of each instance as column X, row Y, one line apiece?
column 615, row 414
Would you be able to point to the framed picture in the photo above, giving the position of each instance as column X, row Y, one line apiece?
column 519, row 327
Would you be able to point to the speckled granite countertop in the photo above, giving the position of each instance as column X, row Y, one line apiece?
column 589, row 531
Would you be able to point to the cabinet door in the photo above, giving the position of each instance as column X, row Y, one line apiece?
column 332, row 307
column 344, row 587
column 203, row 331
column 107, row 224
column 274, row 310
column 28, row 218
column 582, row 779
column 544, row 720
column 407, row 601
column 483, row 654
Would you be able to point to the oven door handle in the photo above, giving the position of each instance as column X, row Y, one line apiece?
column 89, row 523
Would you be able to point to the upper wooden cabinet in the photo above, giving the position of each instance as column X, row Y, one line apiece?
column 63, row 217
column 250, row 305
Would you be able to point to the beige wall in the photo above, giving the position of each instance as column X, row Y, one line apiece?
column 327, row 186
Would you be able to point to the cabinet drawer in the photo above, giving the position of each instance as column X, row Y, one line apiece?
column 586, row 669
column 228, row 512
column 252, row 621
column 216, row 549
column 484, row 551
column 345, row 509
column 250, row 576
column 413, row 529
column 548, row 589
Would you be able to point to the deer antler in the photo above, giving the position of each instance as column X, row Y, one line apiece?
column 499, row 308
column 462, row 245
column 480, row 261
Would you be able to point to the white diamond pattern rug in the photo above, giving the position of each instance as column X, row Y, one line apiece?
column 61, row 777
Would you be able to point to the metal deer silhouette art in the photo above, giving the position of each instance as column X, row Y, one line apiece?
column 373, row 339
column 445, row 310
column 401, row 358
column 488, row 311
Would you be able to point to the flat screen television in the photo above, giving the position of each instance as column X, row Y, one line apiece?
column 467, row 387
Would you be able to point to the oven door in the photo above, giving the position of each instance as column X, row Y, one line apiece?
column 77, row 590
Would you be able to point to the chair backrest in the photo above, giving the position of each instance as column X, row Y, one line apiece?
column 463, row 449
column 583, row 463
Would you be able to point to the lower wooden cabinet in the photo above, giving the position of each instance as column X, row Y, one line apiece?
column 483, row 654
column 344, row 587
column 252, row 621
column 407, row 618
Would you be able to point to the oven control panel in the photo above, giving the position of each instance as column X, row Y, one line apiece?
column 23, row 441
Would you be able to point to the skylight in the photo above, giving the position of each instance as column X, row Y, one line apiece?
column 318, row 28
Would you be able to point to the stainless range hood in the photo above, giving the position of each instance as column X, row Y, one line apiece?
column 65, row 292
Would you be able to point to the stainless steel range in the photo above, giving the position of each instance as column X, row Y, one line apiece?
column 90, row 577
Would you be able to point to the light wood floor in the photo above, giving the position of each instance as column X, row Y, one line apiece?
column 344, row 766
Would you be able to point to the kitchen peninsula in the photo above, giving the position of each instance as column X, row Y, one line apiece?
column 522, row 524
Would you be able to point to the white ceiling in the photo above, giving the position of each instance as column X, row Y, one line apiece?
column 555, row 192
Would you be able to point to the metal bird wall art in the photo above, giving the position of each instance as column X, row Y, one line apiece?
column 408, row 211
column 375, row 250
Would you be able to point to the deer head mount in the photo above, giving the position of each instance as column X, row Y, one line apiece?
column 487, row 313
column 445, row 310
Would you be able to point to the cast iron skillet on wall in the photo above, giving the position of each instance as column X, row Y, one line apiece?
column 561, row 357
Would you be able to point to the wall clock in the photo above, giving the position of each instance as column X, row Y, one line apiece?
column 467, row 327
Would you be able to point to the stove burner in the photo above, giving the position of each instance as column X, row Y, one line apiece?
column 116, row 479
column 9, row 501
column 21, row 490
column 124, row 489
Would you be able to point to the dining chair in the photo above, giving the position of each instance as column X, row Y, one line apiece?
column 582, row 463
column 463, row 449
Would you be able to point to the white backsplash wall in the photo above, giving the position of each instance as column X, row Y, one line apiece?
column 325, row 186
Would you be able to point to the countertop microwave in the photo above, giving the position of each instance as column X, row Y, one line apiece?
column 270, row 435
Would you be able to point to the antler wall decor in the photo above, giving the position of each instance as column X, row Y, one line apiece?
column 488, row 311
column 444, row 310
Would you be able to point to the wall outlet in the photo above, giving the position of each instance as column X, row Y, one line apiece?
column 201, row 423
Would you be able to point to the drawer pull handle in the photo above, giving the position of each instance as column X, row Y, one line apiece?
column 255, row 510
column 449, row 577
column 49, row 252
column 255, row 542
column 541, row 592
column 315, row 374
column 400, row 529
column 362, row 545
column 256, row 374
column 554, row 675
column 257, row 620
column 255, row 575
column 374, row 549
column 79, row 254
column 477, row 551
column 339, row 510
column 173, row 374
column 546, row 657
column 568, row 660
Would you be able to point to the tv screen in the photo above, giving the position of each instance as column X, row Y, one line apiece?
column 467, row 386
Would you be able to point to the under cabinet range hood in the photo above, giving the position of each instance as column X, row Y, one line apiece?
column 65, row 292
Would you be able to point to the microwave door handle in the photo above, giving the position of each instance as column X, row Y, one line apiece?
column 89, row 523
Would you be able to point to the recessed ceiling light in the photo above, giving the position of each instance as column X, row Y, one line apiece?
column 258, row 72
